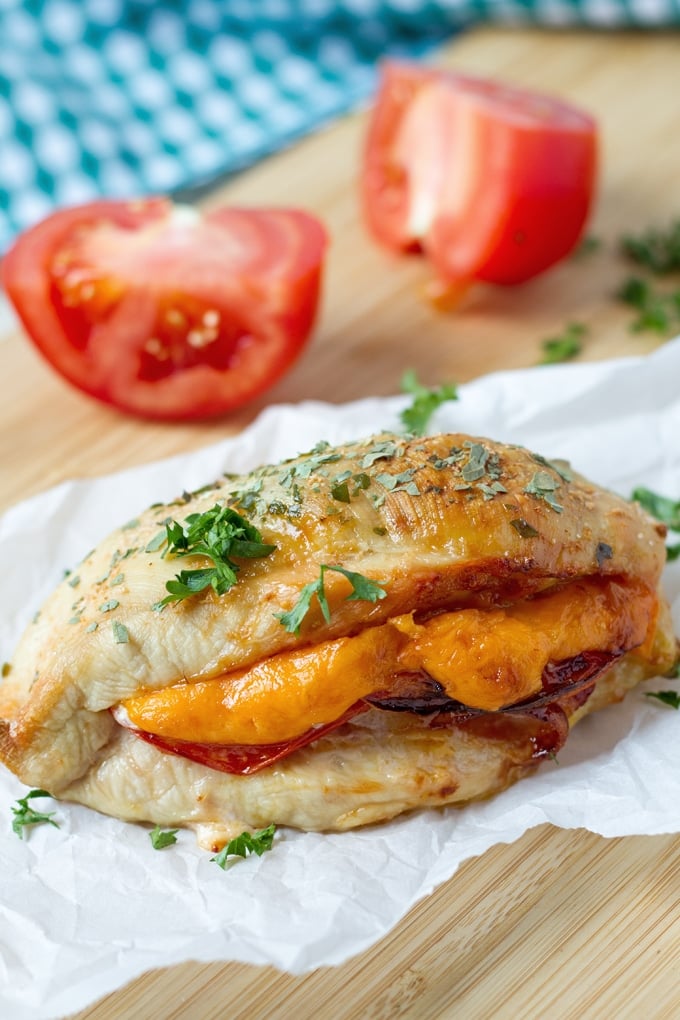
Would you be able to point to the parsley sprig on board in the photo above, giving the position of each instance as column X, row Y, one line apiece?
column 656, row 250
column 220, row 534
column 416, row 417
column 654, row 253
column 25, row 815
column 362, row 589
column 247, row 843
column 565, row 346
column 657, row 311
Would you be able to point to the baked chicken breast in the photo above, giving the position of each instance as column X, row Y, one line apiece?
column 390, row 624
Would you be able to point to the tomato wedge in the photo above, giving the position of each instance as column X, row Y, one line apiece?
column 492, row 182
column 163, row 311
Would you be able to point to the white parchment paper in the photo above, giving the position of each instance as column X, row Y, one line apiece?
column 87, row 907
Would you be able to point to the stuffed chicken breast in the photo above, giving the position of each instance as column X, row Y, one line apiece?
column 360, row 631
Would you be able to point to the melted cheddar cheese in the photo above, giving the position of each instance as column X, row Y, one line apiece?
column 486, row 659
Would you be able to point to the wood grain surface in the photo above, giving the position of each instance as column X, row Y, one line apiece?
column 559, row 924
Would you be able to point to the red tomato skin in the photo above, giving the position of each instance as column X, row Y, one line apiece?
column 271, row 286
column 511, row 174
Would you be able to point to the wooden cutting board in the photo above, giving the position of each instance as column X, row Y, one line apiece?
column 560, row 924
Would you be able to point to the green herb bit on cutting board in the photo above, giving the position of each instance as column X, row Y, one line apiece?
column 564, row 347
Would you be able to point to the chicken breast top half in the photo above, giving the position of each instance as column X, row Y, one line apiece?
column 356, row 632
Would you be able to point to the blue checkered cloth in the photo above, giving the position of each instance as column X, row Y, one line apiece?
column 116, row 98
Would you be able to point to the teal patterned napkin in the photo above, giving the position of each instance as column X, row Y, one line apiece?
column 115, row 98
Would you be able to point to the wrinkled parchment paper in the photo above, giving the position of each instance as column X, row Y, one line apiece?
column 88, row 906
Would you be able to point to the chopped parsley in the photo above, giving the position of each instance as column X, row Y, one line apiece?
column 670, row 698
column 476, row 466
column 107, row 607
column 564, row 347
column 160, row 838
column 440, row 463
column 673, row 552
column 480, row 469
column 384, row 449
column 25, row 815
column 523, row 527
column 416, row 417
column 121, row 634
column 664, row 509
column 248, row 499
column 309, row 464
column 157, row 542
column 218, row 534
column 340, row 492
column 656, row 250
column 658, row 311
column 489, row 491
column 403, row 482
column 247, row 843
column 543, row 486
column 363, row 589
column 560, row 467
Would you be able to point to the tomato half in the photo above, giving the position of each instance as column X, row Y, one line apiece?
column 165, row 312
column 492, row 182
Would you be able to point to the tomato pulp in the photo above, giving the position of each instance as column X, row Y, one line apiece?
column 166, row 312
column 491, row 182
